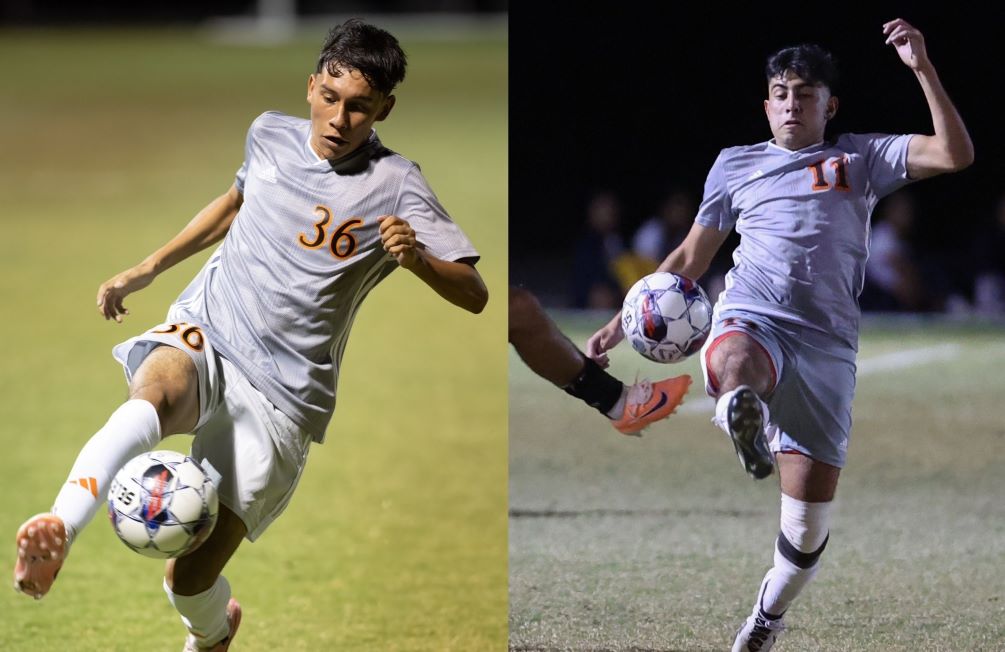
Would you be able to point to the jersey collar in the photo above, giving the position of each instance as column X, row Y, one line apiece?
column 772, row 143
column 355, row 162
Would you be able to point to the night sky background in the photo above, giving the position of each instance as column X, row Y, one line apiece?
column 635, row 100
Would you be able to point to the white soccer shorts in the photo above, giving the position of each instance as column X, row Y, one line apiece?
column 258, row 451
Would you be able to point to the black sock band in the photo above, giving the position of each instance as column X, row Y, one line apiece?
column 793, row 554
column 595, row 387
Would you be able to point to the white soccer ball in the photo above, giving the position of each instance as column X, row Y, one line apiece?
column 666, row 317
column 162, row 504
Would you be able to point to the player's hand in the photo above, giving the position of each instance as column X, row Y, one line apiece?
column 604, row 340
column 398, row 239
column 909, row 43
column 114, row 290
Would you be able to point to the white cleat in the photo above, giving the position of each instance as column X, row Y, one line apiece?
column 758, row 634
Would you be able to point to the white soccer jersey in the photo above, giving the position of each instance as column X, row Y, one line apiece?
column 279, row 295
column 803, row 218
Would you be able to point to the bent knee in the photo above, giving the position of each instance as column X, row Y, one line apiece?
column 168, row 380
column 737, row 359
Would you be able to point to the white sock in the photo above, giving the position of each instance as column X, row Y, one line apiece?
column 618, row 410
column 132, row 429
column 204, row 614
column 805, row 526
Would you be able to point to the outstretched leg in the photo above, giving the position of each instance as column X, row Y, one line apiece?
column 163, row 400
column 551, row 355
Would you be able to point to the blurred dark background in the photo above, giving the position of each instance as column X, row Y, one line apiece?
column 635, row 104
column 105, row 12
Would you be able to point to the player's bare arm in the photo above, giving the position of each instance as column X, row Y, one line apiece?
column 691, row 259
column 950, row 148
column 206, row 228
column 456, row 281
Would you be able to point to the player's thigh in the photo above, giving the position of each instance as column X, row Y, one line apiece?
column 258, row 451
column 805, row 478
column 167, row 378
column 740, row 350
column 197, row 571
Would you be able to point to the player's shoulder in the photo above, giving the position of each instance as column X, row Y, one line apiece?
column 392, row 160
column 275, row 121
column 862, row 143
column 737, row 153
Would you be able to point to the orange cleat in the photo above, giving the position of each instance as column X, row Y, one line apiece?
column 41, row 548
column 649, row 402
column 233, row 617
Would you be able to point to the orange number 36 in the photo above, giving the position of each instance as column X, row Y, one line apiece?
column 342, row 242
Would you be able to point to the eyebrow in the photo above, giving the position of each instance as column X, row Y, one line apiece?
column 796, row 87
column 360, row 98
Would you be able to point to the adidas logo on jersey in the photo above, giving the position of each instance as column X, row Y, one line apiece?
column 267, row 173
column 756, row 175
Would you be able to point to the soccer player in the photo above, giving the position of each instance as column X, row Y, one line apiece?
column 553, row 357
column 781, row 355
column 248, row 359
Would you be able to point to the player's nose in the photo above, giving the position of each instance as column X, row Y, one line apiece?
column 338, row 118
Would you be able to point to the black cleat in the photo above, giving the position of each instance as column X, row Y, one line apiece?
column 745, row 425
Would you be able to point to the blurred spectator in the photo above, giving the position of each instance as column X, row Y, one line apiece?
column 594, row 285
column 896, row 279
column 989, row 283
column 661, row 233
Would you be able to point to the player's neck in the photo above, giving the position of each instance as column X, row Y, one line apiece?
column 775, row 143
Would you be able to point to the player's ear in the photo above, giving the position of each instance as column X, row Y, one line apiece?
column 832, row 107
column 388, row 105
column 310, row 87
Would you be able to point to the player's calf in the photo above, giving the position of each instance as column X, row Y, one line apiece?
column 801, row 540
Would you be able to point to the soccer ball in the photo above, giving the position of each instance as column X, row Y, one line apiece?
column 666, row 317
column 162, row 504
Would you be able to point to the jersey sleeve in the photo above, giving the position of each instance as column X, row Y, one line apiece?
column 716, row 209
column 242, row 172
column 886, row 159
column 441, row 236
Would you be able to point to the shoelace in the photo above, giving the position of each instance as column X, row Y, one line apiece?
column 634, row 402
column 759, row 634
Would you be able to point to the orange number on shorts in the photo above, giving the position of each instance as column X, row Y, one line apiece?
column 343, row 243
column 840, row 172
column 190, row 335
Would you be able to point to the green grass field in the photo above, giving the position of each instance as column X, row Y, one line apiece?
column 396, row 538
column 660, row 543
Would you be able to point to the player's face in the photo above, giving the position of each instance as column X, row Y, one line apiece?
column 343, row 110
column 798, row 111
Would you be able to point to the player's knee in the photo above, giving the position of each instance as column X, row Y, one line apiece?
column 805, row 528
column 167, row 380
column 524, row 312
column 737, row 360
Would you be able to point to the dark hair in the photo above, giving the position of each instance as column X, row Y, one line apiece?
column 355, row 45
column 810, row 61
